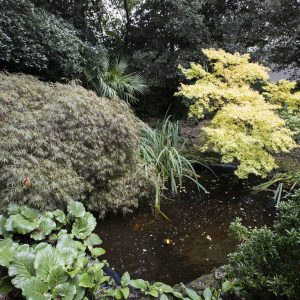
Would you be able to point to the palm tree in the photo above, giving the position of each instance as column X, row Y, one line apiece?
column 109, row 79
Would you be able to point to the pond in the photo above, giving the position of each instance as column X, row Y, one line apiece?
column 195, row 242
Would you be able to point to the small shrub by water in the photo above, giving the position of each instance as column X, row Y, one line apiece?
column 267, row 260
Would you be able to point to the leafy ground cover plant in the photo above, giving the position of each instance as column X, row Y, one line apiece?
column 163, row 153
column 53, row 255
column 267, row 260
column 61, row 142
column 243, row 107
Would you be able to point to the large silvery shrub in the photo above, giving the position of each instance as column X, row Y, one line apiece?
column 62, row 142
column 33, row 40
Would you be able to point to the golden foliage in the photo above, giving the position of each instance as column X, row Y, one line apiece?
column 245, row 126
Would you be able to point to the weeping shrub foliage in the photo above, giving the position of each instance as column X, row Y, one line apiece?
column 60, row 141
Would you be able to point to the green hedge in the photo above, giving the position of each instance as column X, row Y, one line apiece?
column 34, row 41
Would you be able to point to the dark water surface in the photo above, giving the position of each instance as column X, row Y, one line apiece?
column 195, row 242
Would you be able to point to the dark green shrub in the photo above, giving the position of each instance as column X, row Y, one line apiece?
column 269, row 259
column 32, row 40
column 62, row 142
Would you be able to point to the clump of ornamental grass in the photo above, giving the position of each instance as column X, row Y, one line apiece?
column 163, row 154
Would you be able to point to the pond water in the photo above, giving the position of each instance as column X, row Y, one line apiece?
column 195, row 242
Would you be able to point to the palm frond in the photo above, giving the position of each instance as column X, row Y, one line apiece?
column 110, row 80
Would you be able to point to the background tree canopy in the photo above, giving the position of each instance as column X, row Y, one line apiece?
column 155, row 36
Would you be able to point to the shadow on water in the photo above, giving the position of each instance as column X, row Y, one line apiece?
column 197, row 240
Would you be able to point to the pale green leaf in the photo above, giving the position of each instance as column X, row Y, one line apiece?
column 76, row 209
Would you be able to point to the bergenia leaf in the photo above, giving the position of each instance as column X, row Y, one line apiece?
column 60, row 216
column 13, row 209
column 56, row 276
column 30, row 213
column 46, row 226
column 83, row 227
column 86, row 280
column 96, row 252
column 20, row 224
column 47, row 259
column 7, row 251
column 35, row 289
column 65, row 291
column 21, row 268
column 93, row 240
column 76, row 209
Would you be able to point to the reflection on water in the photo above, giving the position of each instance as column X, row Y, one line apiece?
column 195, row 242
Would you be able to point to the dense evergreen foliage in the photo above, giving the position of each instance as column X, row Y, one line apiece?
column 242, row 104
column 62, row 142
column 268, row 258
column 34, row 41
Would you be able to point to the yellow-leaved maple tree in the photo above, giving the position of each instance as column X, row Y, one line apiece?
column 243, row 105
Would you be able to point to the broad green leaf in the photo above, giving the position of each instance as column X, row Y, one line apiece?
column 65, row 291
column 35, row 289
column 118, row 294
column 21, row 268
column 154, row 293
column 3, row 230
column 192, row 294
column 96, row 252
column 74, row 272
column 22, row 225
column 46, row 226
column 93, row 240
column 163, row 288
column 86, row 280
column 139, row 284
column 207, row 294
column 45, row 260
column 7, row 252
column 125, row 291
column 13, row 209
column 68, row 248
column 227, row 286
column 40, row 246
column 80, row 292
column 56, row 276
column 163, row 297
column 30, row 213
column 5, row 286
column 177, row 295
column 125, row 279
column 60, row 216
column 83, row 227
column 76, row 209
